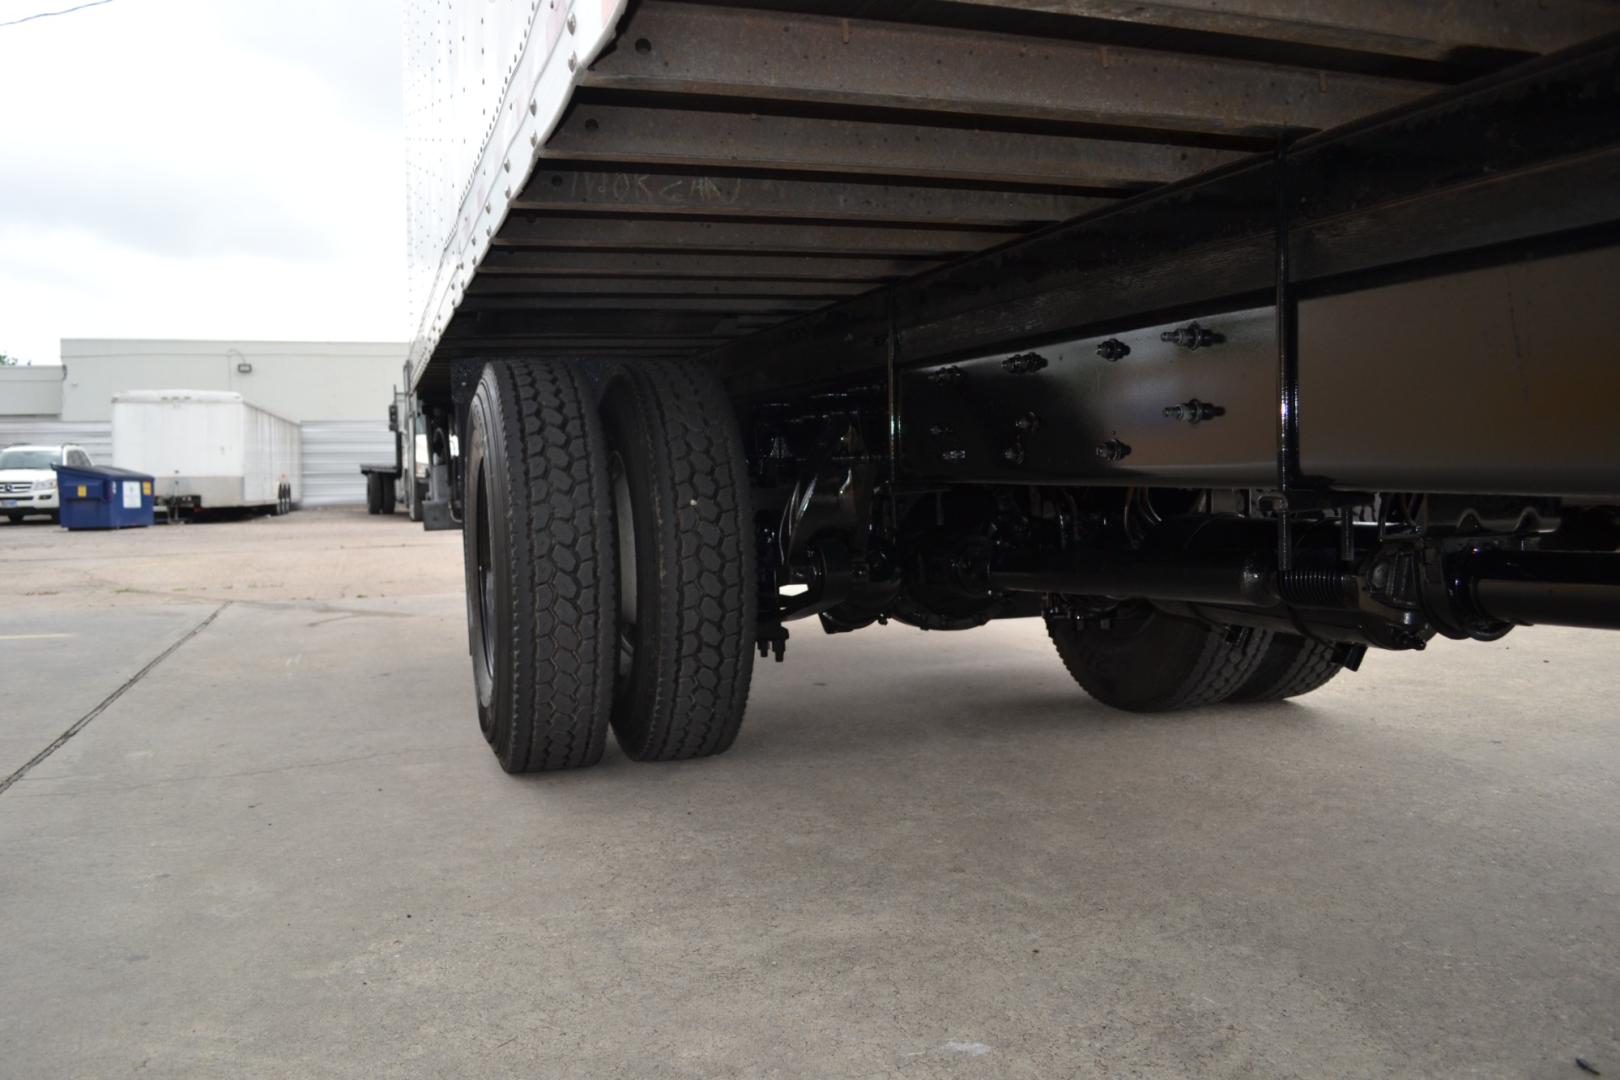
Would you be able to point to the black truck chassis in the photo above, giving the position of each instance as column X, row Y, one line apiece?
column 1350, row 391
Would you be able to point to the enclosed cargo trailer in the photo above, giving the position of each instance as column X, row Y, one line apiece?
column 208, row 449
column 1232, row 340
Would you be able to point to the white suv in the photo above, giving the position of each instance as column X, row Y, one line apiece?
column 27, row 481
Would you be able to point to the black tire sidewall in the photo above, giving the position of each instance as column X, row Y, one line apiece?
column 485, row 457
column 1128, row 661
column 628, row 436
column 1145, row 660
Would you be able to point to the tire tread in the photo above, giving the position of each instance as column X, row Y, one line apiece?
column 1293, row 665
column 700, row 692
column 559, row 608
column 1207, row 674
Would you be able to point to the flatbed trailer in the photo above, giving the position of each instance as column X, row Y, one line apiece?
column 1231, row 339
column 388, row 483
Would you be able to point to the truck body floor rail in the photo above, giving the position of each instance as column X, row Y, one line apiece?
column 724, row 168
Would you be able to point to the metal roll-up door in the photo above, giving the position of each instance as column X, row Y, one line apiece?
column 94, row 436
column 334, row 450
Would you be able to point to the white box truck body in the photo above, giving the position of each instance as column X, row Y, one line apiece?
column 208, row 449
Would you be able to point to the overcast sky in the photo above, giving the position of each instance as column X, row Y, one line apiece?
column 201, row 168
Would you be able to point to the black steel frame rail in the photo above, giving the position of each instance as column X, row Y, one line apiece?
column 1525, row 154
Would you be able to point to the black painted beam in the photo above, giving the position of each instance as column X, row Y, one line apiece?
column 754, row 141
column 1416, row 30
column 784, row 57
column 1531, row 152
column 758, row 237
column 637, row 191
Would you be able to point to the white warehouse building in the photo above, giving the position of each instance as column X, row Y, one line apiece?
column 338, row 394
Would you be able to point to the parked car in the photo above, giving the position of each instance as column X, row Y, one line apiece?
column 28, row 482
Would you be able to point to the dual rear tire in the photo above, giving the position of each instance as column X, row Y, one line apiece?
column 610, row 573
column 610, row 563
column 1143, row 660
column 381, row 493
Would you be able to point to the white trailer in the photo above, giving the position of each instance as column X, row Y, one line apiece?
column 208, row 449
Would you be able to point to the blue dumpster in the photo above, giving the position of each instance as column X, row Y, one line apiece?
column 101, row 497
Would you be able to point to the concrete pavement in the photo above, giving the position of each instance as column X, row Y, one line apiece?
column 286, row 851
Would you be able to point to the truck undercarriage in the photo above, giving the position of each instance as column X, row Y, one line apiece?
column 1231, row 340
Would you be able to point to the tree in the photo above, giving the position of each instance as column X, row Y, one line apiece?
column 7, row 360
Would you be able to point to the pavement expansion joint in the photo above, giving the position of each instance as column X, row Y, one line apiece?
column 101, row 707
